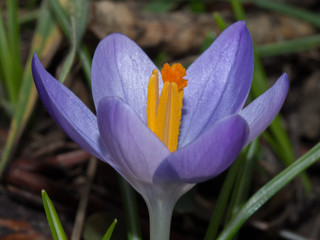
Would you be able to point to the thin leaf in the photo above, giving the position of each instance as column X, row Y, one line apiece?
column 61, row 16
column 53, row 218
column 79, row 15
column 223, row 199
column 46, row 39
column 5, row 62
column 14, row 43
column 243, row 181
column 282, row 145
column 29, row 16
column 269, row 190
column 64, row 23
column 130, row 206
column 220, row 22
column 238, row 10
column 259, row 85
column 230, row 181
column 276, row 6
column 109, row 232
column 71, row 55
column 289, row 46
column 86, row 60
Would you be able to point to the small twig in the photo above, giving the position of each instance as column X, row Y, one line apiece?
column 79, row 221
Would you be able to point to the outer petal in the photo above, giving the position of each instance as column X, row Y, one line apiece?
column 129, row 141
column 68, row 111
column 219, row 82
column 207, row 156
column 121, row 68
column 260, row 113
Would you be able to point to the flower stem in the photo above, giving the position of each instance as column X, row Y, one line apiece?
column 160, row 212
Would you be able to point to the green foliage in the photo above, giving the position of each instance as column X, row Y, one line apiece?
column 220, row 22
column 269, row 190
column 235, row 187
column 197, row 6
column 73, row 31
column 78, row 18
column 160, row 6
column 45, row 34
column 10, row 59
column 53, row 218
column 109, row 232
column 237, row 183
column 277, row 137
column 284, row 8
column 56, row 226
column 289, row 46
column 130, row 207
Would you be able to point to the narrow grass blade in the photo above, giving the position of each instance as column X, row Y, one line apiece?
column 53, row 218
column 130, row 206
column 223, row 199
column 238, row 10
column 31, row 15
column 79, row 15
column 269, row 190
column 243, row 180
column 80, row 12
column 278, row 137
column 289, row 46
column 276, row 6
column 260, row 85
column 5, row 62
column 45, row 41
column 220, row 22
column 66, row 67
column 230, row 180
column 65, row 25
column 60, row 13
column 14, row 42
column 109, row 232
column 85, row 58
column 229, row 183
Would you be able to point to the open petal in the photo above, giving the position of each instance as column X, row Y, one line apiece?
column 207, row 156
column 68, row 111
column 121, row 68
column 219, row 82
column 129, row 141
column 260, row 113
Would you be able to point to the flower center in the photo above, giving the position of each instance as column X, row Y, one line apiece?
column 164, row 114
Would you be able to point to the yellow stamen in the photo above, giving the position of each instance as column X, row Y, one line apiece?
column 153, row 100
column 164, row 115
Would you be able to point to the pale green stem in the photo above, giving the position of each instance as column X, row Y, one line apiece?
column 160, row 212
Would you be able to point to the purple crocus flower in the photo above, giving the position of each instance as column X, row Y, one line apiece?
column 214, row 125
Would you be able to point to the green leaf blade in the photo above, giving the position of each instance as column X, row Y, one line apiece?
column 109, row 232
column 53, row 218
column 47, row 34
column 269, row 190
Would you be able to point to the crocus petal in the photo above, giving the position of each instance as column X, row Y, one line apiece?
column 129, row 141
column 68, row 111
column 260, row 113
column 219, row 82
column 207, row 156
column 121, row 68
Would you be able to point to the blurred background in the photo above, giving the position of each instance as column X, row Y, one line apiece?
column 88, row 194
